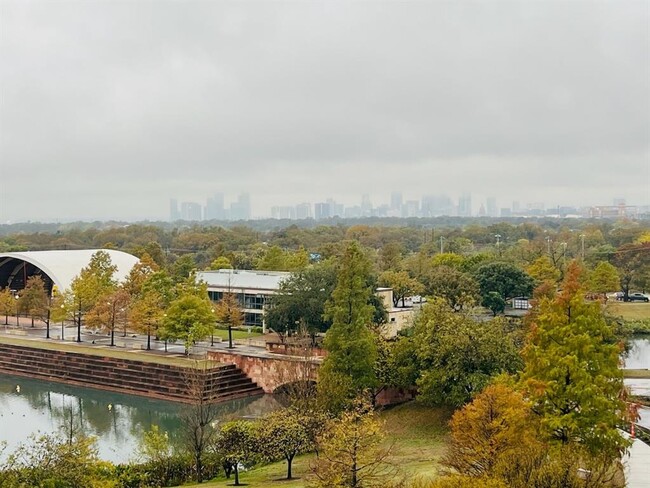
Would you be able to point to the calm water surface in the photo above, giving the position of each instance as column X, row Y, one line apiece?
column 639, row 355
column 30, row 406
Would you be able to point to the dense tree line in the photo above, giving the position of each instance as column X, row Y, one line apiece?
column 544, row 393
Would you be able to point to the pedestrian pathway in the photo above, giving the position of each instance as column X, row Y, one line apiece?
column 637, row 465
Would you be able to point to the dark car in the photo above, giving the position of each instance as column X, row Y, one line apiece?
column 638, row 297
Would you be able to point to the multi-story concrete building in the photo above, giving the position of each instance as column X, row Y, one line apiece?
column 252, row 289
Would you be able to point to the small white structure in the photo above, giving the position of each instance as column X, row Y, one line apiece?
column 521, row 303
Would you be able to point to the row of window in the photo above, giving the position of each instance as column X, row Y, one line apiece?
column 246, row 300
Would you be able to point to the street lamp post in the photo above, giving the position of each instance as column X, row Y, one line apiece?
column 79, row 323
column 17, row 296
column 62, row 322
column 212, row 334
column 498, row 238
column 548, row 245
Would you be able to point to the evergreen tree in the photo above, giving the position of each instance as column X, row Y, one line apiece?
column 571, row 372
column 348, row 368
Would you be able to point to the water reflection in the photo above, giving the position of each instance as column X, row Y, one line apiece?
column 117, row 420
column 639, row 355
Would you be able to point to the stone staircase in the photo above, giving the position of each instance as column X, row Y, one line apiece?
column 218, row 382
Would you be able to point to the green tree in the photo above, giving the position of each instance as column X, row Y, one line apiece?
column 109, row 312
column 7, row 303
column 222, row 262
column 139, row 274
column 604, row 278
column 33, row 299
column 147, row 307
column 458, row 289
column 402, row 285
column 284, row 434
column 542, row 270
column 189, row 318
column 301, row 299
column 390, row 256
column 348, row 368
column 457, row 356
column 237, row 444
column 183, row 268
column 503, row 278
column 571, row 372
column 93, row 281
column 494, row 302
column 633, row 264
column 51, row 461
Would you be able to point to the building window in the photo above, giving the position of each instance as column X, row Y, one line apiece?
column 254, row 319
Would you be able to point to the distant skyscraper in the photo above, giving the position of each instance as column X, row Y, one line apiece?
column 492, row 207
column 366, row 206
column 280, row 212
column 190, row 211
column 396, row 201
column 303, row 211
column 322, row 211
column 241, row 209
column 214, row 208
column 411, row 208
column 174, row 214
column 465, row 205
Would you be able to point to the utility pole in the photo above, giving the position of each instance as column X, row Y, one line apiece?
column 441, row 245
column 548, row 245
column 498, row 237
column 582, row 239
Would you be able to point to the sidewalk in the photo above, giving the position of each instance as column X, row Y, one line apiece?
column 637, row 465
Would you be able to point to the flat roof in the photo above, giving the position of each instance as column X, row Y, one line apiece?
column 243, row 278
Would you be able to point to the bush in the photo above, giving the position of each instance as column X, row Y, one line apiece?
column 640, row 326
column 175, row 471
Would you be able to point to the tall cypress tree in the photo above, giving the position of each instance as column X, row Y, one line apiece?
column 348, row 368
column 571, row 373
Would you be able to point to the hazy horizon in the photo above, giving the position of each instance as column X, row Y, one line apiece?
column 109, row 109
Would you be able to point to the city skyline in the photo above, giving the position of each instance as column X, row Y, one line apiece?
column 111, row 108
column 396, row 205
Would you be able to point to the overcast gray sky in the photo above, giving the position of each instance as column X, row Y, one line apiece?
column 110, row 108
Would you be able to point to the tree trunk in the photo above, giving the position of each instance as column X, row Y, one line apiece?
column 289, row 461
column 148, row 340
column 113, row 336
column 199, row 469
column 237, row 474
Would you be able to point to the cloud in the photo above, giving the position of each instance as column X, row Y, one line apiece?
column 113, row 107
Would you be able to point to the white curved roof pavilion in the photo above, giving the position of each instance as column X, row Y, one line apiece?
column 60, row 267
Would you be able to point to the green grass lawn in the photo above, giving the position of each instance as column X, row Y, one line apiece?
column 629, row 310
column 636, row 373
column 418, row 434
column 236, row 334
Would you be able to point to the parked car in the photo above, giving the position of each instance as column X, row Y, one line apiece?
column 638, row 297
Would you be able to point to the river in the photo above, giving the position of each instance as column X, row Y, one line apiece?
column 117, row 420
column 639, row 358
